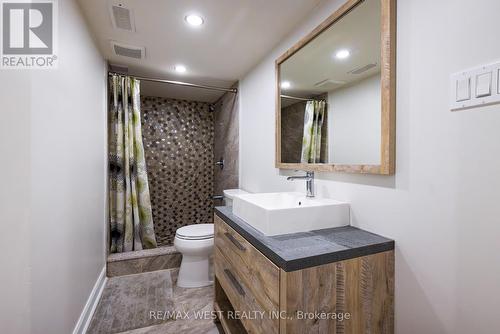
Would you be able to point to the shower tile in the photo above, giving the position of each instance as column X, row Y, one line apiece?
column 292, row 128
column 292, row 131
column 226, row 143
column 178, row 140
column 145, row 264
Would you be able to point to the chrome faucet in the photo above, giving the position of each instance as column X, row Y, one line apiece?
column 309, row 177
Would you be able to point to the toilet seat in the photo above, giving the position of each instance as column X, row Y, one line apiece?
column 195, row 232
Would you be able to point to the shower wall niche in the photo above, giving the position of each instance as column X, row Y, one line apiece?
column 178, row 140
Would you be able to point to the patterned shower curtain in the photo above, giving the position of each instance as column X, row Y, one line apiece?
column 313, row 122
column 130, row 213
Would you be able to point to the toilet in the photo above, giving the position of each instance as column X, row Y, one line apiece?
column 195, row 243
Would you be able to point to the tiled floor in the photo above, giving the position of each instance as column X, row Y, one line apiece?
column 132, row 304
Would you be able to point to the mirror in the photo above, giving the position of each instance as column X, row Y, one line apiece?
column 335, row 91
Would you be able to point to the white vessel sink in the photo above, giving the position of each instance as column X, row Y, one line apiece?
column 283, row 213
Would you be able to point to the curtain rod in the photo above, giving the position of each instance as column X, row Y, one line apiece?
column 295, row 98
column 179, row 83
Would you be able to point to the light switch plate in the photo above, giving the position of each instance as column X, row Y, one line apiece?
column 484, row 83
column 498, row 81
column 463, row 89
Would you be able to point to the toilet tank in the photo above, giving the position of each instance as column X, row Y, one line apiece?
column 230, row 193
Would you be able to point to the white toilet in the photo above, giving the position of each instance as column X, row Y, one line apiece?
column 195, row 243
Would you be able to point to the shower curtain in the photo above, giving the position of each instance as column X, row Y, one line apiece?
column 311, row 141
column 131, row 220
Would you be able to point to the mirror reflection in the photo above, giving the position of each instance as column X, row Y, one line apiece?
column 331, row 93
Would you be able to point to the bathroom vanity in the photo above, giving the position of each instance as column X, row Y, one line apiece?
column 336, row 280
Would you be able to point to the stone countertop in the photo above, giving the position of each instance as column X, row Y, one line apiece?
column 309, row 249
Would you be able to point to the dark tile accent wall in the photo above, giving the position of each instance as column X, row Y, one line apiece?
column 178, row 140
column 226, row 144
column 292, row 131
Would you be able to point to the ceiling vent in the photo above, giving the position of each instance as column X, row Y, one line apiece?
column 122, row 17
column 137, row 52
column 363, row 69
column 329, row 84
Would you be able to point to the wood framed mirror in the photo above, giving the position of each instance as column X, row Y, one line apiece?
column 335, row 93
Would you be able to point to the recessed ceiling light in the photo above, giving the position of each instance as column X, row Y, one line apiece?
column 194, row 20
column 180, row 68
column 342, row 54
column 285, row 84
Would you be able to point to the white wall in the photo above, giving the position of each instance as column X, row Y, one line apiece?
column 14, row 199
column 442, row 206
column 354, row 123
column 53, row 141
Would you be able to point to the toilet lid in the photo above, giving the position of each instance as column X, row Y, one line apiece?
column 196, row 231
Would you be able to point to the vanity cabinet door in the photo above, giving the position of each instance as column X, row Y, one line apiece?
column 249, row 279
column 361, row 290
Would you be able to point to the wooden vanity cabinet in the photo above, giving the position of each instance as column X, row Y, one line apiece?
column 249, row 279
column 255, row 296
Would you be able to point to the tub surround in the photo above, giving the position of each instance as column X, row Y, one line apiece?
column 120, row 264
column 226, row 143
column 179, row 147
column 308, row 249
column 292, row 130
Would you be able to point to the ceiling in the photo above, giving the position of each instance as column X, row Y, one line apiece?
column 315, row 70
column 236, row 34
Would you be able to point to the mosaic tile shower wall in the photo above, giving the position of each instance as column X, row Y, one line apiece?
column 178, row 140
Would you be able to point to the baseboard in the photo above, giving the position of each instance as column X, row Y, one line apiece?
column 87, row 312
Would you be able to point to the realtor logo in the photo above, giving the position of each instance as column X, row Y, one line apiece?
column 28, row 34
